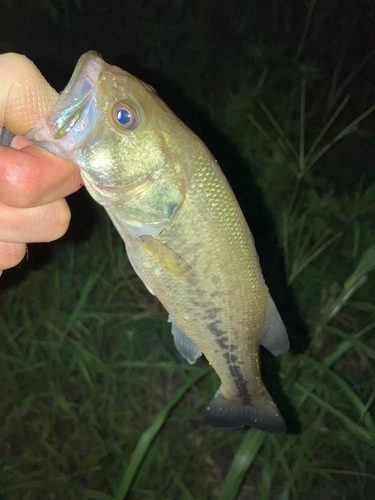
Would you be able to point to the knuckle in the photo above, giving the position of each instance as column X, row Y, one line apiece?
column 18, row 190
column 25, row 186
column 23, row 195
column 60, row 219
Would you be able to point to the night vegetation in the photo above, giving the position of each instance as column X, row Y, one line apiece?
column 94, row 402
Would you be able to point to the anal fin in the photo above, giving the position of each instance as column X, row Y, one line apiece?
column 185, row 346
column 275, row 338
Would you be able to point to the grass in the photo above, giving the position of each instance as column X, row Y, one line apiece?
column 96, row 406
column 94, row 403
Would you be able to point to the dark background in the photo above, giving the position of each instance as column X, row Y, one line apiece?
column 215, row 63
column 198, row 55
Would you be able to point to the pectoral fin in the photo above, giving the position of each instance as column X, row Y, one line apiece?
column 168, row 259
column 275, row 339
column 185, row 346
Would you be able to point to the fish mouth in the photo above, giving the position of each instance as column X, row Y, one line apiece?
column 71, row 103
column 64, row 128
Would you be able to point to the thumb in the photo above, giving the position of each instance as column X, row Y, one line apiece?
column 25, row 95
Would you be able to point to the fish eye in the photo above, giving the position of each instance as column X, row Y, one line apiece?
column 125, row 116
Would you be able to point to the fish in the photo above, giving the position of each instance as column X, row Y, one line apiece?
column 183, row 229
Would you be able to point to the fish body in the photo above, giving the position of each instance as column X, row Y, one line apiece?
column 183, row 229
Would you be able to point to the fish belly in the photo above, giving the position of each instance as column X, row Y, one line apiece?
column 225, row 312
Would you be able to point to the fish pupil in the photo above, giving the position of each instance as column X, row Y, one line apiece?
column 123, row 116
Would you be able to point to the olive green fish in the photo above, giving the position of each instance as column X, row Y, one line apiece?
column 183, row 229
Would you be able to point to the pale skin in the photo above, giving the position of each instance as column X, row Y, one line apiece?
column 33, row 182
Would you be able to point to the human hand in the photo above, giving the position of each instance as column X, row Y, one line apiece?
column 33, row 182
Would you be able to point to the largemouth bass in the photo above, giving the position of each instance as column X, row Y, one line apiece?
column 183, row 229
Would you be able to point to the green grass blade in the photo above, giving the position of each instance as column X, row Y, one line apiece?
column 344, row 346
column 242, row 460
column 352, row 426
column 95, row 495
column 346, row 131
column 343, row 298
column 302, row 40
column 282, row 136
column 187, row 495
column 325, row 128
column 89, row 285
column 282, row 148
column 299, row 268
column 302, row 130
column 149, row 434
column 365, row 266
column 354, row 342
column 343, row 472
column 357, row 402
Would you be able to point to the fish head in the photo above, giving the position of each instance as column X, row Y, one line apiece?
column 113, row 125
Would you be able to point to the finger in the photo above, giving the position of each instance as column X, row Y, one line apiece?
column 38, row 224
column 33, row 176
column 25, row 95
column 11, row 254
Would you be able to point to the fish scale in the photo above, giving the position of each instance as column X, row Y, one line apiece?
column 183, row 229
column 236, row 271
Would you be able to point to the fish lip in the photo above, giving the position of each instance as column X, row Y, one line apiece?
column 81, row 86
column 89, row 66
column 57, row 130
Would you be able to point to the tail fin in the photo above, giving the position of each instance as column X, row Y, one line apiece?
column 231, row 413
